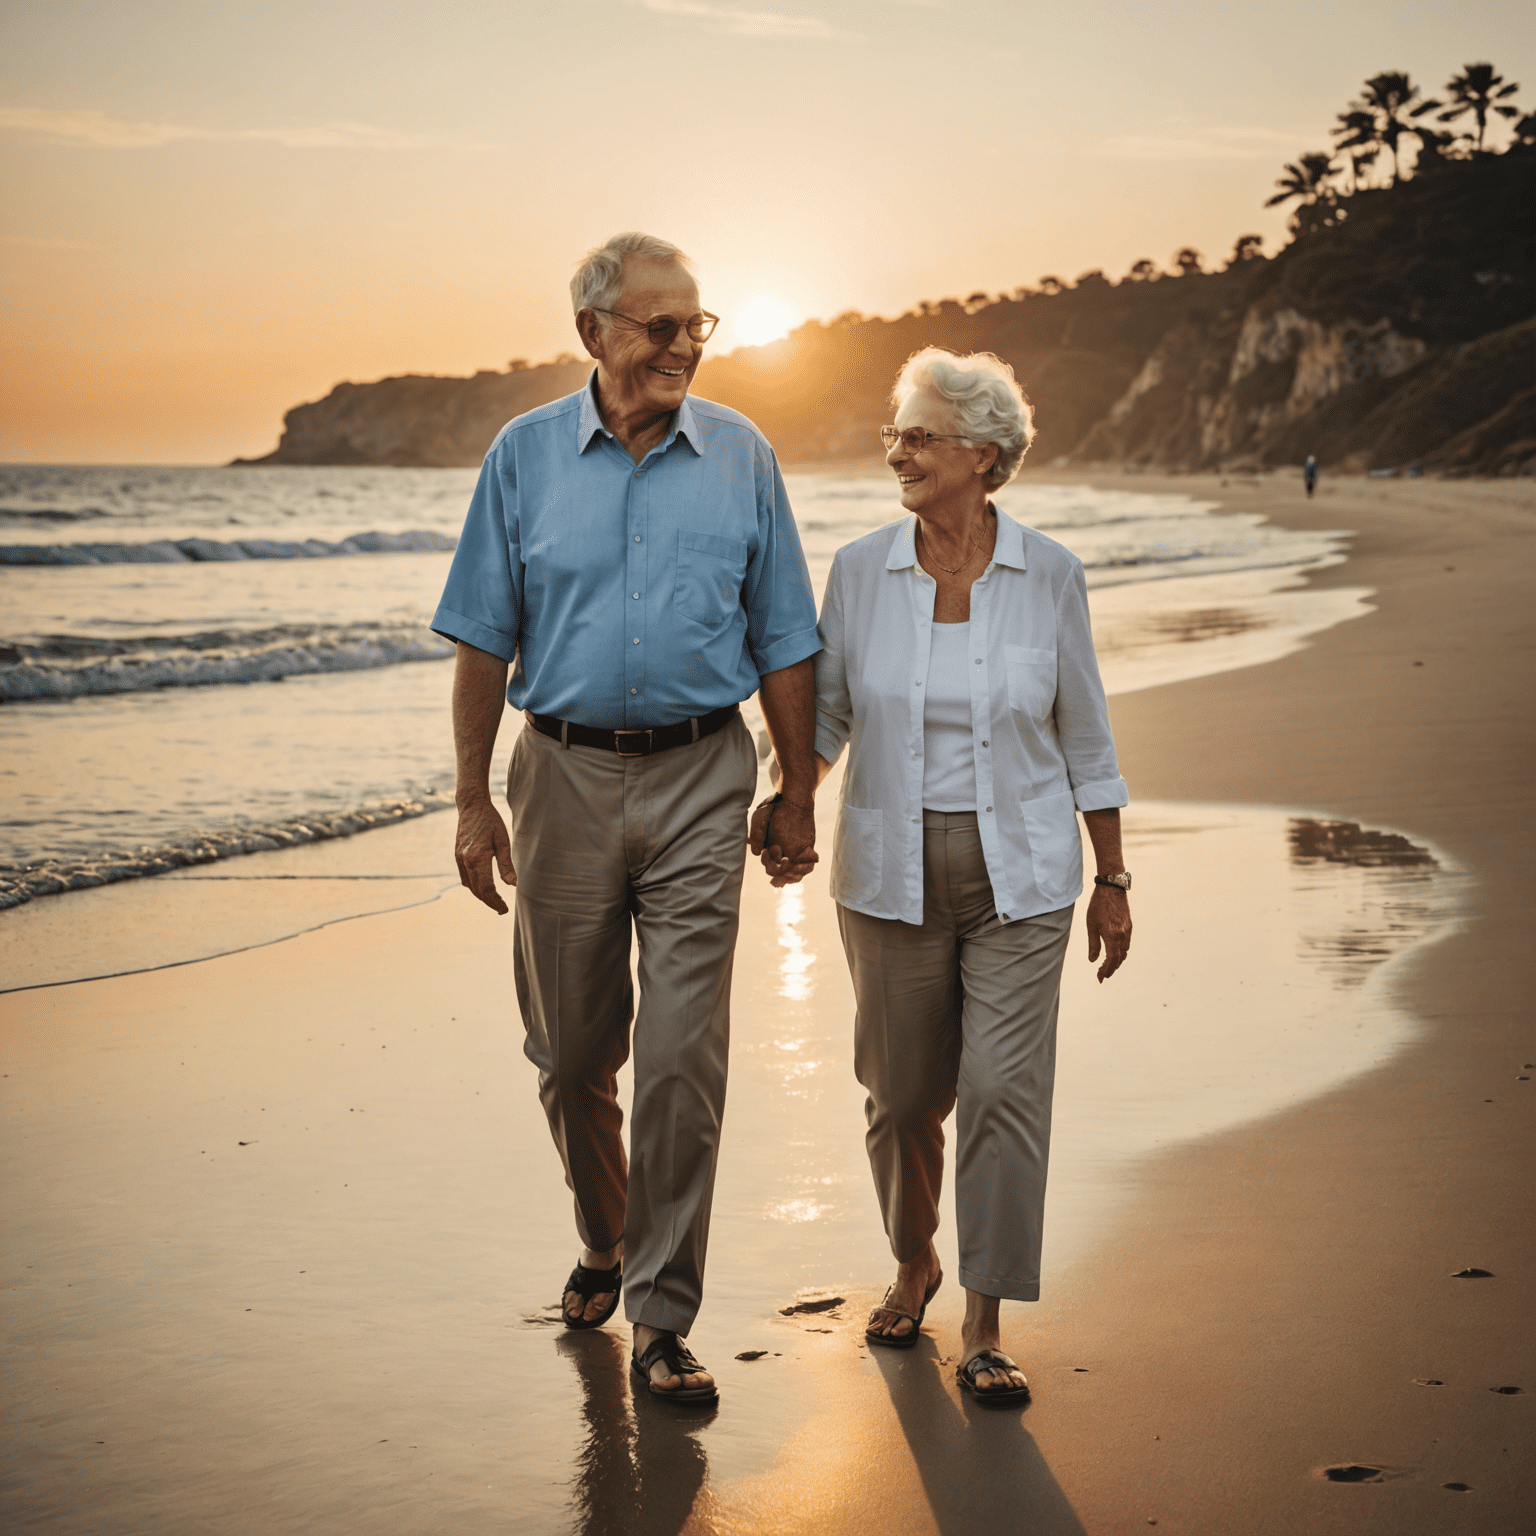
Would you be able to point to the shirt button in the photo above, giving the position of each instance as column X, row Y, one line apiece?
column 636, row 640
column 978, row 661
column 1003, row 915
column 989, row 810
column 636, row 595
column 986, row 743
column 634, row 690
column 637, row 538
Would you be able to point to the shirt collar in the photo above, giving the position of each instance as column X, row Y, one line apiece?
column 589, row 423
column 1009, row 549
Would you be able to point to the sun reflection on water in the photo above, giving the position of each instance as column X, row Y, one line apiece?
column 798, row 961
column 797, row 1210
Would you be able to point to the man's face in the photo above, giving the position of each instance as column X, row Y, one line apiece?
column 637, row 375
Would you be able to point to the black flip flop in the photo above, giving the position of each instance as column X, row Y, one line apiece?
column 991, row 1360
column 679, row 1361
column 904, row 1340
column 588, row 1283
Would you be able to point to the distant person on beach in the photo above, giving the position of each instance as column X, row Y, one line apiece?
column 1309, row 474
column 958, row 668
column 631, row 553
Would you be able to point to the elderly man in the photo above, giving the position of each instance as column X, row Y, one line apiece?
column 631, row 553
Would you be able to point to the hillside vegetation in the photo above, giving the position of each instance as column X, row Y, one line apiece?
column 1395, row 330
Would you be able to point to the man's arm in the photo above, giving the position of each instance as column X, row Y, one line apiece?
column 788, row 698
column 479, row 696
column 1109, row 908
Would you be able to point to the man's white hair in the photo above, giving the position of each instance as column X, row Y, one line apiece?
column 988, row 405
column 599, row 277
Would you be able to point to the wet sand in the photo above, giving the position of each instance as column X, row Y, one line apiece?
column 285, row 1229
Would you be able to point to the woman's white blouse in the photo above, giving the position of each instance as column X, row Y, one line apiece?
column 1039, row 719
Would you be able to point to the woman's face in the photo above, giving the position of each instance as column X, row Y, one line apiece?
column 942, row 473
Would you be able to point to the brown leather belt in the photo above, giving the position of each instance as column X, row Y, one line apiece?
column 633, row 743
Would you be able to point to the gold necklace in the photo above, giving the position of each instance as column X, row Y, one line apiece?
column 957, row 569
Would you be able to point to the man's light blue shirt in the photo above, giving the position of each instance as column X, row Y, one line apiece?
column 630, row 595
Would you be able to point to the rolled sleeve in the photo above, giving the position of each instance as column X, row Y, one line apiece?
column 781, row 607
column 1106, row 796
column 1082, row 711
column 482, row 601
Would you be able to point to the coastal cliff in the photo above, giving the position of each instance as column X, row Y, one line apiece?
column 1397, row 332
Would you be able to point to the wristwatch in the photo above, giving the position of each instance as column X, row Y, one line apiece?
column 1121, row 882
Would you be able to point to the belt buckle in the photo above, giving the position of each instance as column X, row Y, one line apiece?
column 644, row 751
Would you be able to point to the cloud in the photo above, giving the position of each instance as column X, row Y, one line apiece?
column 1203, row 144
column 743, row 23
column 90, row 129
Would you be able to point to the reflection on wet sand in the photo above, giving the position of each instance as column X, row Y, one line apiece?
column 639, row 1465
column 979, row 1465
column 1194, row 624
column 1347, row 842
column 1389, row 890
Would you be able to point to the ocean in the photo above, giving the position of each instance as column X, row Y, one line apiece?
column 197, row 662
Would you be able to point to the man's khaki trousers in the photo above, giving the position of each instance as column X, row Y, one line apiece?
column 601, row 842
column 960, row 1014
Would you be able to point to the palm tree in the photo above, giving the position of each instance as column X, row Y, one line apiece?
column 1356, row 134
column 1306, row 178
column 1386, row 97
column 1187, row 260
column 1143, row 271
column 1478, row 90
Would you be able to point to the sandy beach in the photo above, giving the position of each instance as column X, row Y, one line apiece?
column 285, row 1233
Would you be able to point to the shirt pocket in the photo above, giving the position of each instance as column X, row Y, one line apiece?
column 1055, row 846
column 710, row 571
column 1031, row 680
column 858, row 854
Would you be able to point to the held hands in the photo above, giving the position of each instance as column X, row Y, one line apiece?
column 1109, row 921
column 783, row 835
column 481, row 841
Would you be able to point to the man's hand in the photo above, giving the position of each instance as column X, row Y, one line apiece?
column 784, row 837
column 482, row 840
column 1109, row 921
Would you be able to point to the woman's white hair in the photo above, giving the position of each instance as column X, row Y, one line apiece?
column 599, row 277
column 988, row 405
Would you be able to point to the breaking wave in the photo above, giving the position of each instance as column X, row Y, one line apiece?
column 73, row 666
column 183, row 551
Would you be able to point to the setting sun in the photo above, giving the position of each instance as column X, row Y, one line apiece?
column 766, row 317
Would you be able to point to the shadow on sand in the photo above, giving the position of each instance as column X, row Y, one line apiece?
column 980, row 1467
column 639, row 1466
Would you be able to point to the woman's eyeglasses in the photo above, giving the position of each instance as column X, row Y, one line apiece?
column 915, row 438
column 663, row 328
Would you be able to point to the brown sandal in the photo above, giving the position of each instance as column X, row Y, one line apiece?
column 679, row 1361
column 904, row 1340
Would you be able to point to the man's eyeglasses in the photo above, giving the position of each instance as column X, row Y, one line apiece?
column 915, row 438
column 663, row 328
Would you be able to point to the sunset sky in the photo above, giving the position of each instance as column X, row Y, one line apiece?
column 214, row 211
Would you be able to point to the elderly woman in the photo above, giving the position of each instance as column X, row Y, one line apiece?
column 959, row 670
